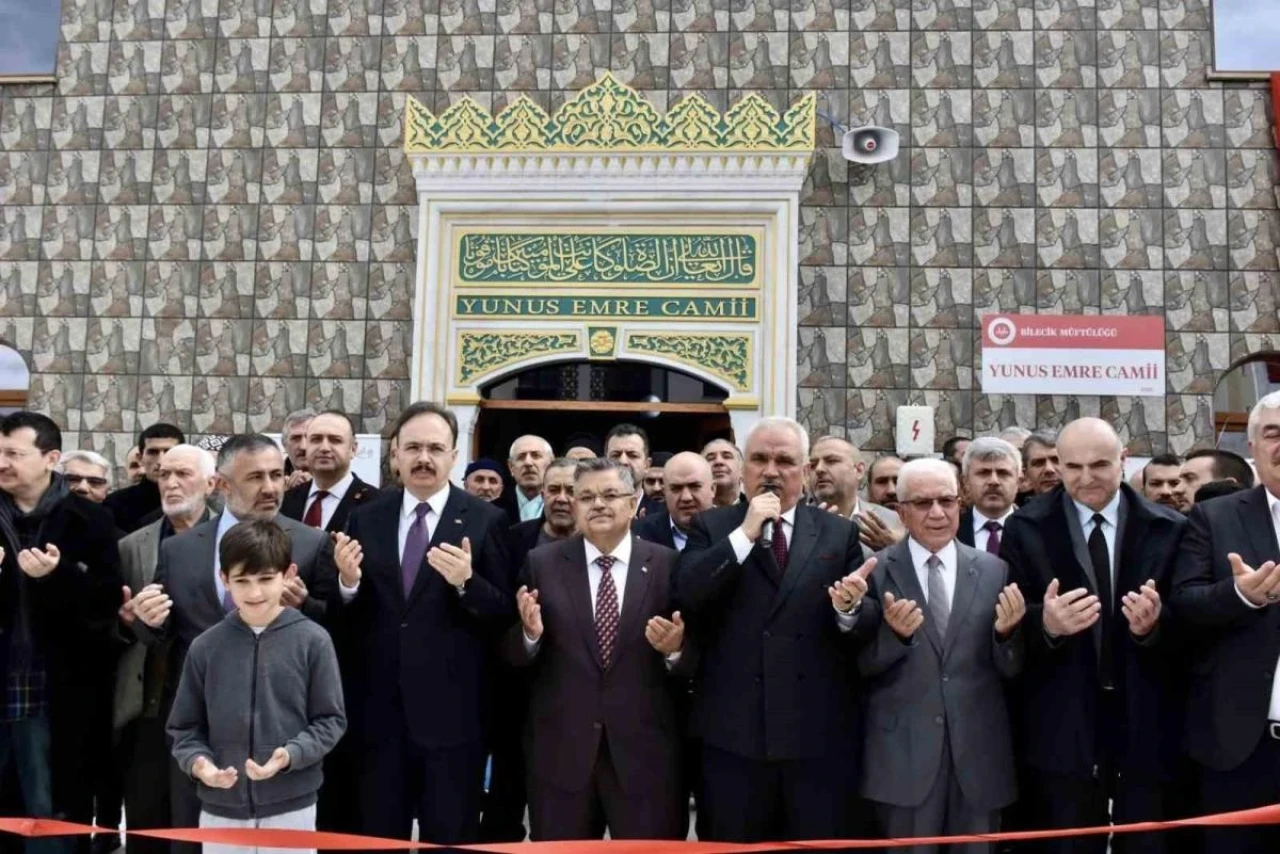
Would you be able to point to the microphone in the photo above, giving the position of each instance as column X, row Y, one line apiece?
column 767, row 529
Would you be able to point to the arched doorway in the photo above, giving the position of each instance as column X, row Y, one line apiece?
column 1238, row 389
column 566, row 400
column 15, row 380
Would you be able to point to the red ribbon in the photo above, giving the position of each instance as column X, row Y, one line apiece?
column 249, row 838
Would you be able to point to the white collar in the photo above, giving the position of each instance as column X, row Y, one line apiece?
column 980, row 519
column 338, row 490
column 920, row 555
column 226, row 521
column 790, row 517
column 1111, row 513
column 621, row 553
column 1272, row 501
column 409, row 504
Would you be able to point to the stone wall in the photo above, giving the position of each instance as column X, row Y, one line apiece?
column 208, row 219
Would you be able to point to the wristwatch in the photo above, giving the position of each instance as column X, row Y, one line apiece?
column 461, row 588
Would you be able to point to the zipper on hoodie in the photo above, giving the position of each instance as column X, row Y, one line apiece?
column 253, row 716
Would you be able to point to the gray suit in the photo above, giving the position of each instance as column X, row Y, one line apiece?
column 139, row 552
column 939, row 755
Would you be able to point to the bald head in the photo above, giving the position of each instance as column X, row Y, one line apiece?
column 1092, row 459
column 687, row 486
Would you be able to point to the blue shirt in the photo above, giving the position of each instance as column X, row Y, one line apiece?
column 225, row 523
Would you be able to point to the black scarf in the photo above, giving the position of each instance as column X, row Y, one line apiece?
column 20, row 649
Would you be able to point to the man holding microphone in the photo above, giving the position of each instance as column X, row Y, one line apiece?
column 775, row 596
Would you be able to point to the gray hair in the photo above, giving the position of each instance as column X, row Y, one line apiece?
column 775, row 422
column 1043, row 438
column 926, row 465
column 204, row 460
column 599, row 464
column 93, row 458
column 987, row 449
column 243, row 443
column 1267, row 401
column 563, row 463
column 297, row 417
column 546, row 446
column 1013, row 431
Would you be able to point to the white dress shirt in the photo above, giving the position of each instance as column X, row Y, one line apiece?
column 1110, row 525
column 980, row 533
column 329, row 504
column 225, row 523
column 528, row 508
column 408, row 510
column 621, row 559
column 678, row 537
column 1273, row 506
column 920, row 561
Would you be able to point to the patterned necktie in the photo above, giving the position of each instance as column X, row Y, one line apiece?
column 993, row 536
column 606, row 610
column 779, row 544
column 313, row 515
column 415, row 548
column 939, row 607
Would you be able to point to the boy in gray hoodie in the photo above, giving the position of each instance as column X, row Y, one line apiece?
column 260, row 699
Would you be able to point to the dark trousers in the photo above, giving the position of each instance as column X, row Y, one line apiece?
column 144, row 763
column 400, row 780
column 655, row 813
column 756, row 800
column 1059, row 801
column 26, row 744
column 336, row 809
column 504, row 803
column 1254, row 783
column 184, row 806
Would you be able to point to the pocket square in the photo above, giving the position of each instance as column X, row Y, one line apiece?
column 827, row 556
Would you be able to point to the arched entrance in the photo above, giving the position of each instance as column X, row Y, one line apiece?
column 571, row 399
column 15, row 380
column 607, row 234
column 1238, row 389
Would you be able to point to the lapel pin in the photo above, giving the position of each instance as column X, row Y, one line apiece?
column 457, row 521
column 644, row 569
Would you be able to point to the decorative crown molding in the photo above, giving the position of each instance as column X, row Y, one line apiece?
column 610, row 117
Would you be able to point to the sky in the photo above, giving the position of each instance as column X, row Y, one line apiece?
column 1246, row 35
column 29, row 36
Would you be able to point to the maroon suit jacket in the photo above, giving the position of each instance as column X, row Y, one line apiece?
column 574, row 701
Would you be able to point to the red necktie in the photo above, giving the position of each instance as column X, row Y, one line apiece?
column 779, row 545
column 313, row 515
column 606, row 610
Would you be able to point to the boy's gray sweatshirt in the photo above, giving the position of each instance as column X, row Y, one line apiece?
column 243, row 695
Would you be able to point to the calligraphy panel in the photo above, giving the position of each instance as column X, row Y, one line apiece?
column 586, row 258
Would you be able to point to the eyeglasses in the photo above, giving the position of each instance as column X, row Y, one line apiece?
column 589, row 498
column 77, row 479
column 924, row 505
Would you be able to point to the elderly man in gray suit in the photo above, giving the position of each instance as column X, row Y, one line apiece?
column 187, row 595
column 186, row 478
column 939, row 755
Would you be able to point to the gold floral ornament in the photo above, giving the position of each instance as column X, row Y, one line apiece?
column 725, row 356
column 610, row 116
column 483, row 353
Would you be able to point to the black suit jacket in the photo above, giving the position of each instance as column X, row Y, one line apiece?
column 294, row 504
column 777, row 677
column 1060, row 687
column 522, row 539
column 655, row 529
column 965, row 533
column 420, row 661
column 1232, row 648
column 133, row 504
column 573, row 698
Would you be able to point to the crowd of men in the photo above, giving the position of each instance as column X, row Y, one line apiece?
column 807, row 643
